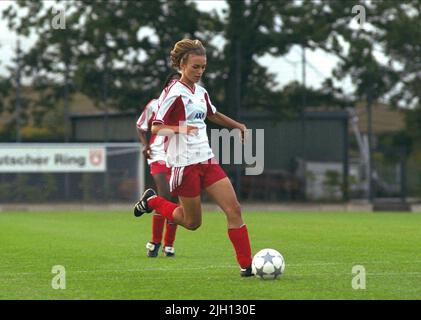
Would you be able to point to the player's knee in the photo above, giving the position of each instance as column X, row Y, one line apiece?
column 164, row 192
column 192, row 225
column 234, row 209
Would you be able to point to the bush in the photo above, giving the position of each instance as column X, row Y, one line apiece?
column 332, row 183
column 37, row 134
column 22, row 189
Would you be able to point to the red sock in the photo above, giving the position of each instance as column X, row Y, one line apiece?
column 240, row 240
column 169, row 237
column 158, row 222
column 163, row 207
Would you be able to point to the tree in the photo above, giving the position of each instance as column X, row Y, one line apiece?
column 256, row 28
column 114, row 52
column 5, row 88
column 5, row 93
column 48, row 63
column 400, row 37
column 399, row 26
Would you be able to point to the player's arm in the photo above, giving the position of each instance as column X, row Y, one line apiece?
column 142, row 138
column 142, row 126
column 166, row 122
column 225, row 121
column 167, row 130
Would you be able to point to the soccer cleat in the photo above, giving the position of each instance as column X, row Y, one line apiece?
column 246, row 272
column 153, row 249
column 169, row 251
column 141, row 206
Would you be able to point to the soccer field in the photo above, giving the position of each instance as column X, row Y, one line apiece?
column 104, row 256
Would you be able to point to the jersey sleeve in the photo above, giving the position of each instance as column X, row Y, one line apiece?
column 211, row 109
column 170, row 111
column 143, row 121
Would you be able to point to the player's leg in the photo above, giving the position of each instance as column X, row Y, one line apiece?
column 184, row 182
column 158, row 221
column 188, row 214
column 163, row 189
column 222, row 192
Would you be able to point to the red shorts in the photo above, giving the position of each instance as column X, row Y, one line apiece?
column 159, row 167
column 189, row 181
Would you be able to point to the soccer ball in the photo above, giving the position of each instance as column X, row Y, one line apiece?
column 268, row 264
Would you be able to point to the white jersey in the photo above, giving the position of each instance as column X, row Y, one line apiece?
column 181, row 105
column 144, row 123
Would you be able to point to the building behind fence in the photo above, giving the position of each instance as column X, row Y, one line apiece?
column 308, row 158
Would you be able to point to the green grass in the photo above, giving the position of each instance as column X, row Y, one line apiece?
column 104, row 256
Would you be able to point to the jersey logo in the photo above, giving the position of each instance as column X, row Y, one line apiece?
column 199, row 115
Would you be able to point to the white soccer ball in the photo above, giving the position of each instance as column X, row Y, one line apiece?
column 268, row 264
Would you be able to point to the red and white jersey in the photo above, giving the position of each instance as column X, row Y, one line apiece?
column 181, row 105
column 144, row 123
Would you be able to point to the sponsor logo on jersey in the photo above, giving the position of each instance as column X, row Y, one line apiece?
column 199, row 115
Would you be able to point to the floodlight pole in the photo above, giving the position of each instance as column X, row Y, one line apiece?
column 66, row 103
column 238, row 106
column 66, row 124
column 370, row 148
column 18, row 105
column 106, row 119
column 304, row 62
column 105, row 99
column 303, row 101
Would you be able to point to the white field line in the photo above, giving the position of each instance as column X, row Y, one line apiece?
column 288, row 264
column 207, row 277
column 166, row 268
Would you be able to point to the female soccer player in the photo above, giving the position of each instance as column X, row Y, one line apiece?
column 154, row 152
column 183, row 107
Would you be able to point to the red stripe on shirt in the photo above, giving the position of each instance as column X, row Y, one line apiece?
column 208, row 105
column 175, row 113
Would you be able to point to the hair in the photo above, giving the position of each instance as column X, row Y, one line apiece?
column 173, row 75
column 183, row 48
